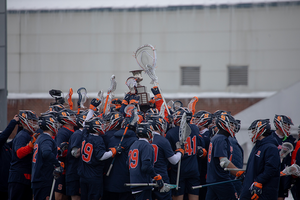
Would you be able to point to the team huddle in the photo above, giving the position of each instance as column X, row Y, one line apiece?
column 156, row 152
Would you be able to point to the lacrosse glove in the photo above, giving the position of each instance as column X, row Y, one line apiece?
column 156, row 93
column 126, row 99
column 255, row 190
column 159, row 181
column 135, row 99
column 33, row 139
column 201, row 152
column 58, row 170
column 62, row 150
column 240, row 174
column 180, row 150
column 94, row 104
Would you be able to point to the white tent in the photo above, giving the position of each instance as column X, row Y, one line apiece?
column 285, row 102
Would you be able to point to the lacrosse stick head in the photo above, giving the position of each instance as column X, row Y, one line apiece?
column 294, row 169
column 286, row 148
column 131, row 116
column 184, row 129
column 82, row 96
column 131, row 84
column 257, row 128
column 58, row 96
column 113, row 84
column 176, row 105
column 192, row 104
column 146, row 59
column 283, row 123
column 68, row 98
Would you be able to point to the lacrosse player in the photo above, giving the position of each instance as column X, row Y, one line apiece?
column 5, row 155
column 219, row 157
column 44, row 161
column 19, row 180
column 72, row 159
column 93, row 153
column 163, row 153
column 202, row 119
column 189, row 172
column 119, row 174
column 237, row 156
column 67, row 118
column 283, row 124
column 263, row 168
column 296, row 159
column 141, row 160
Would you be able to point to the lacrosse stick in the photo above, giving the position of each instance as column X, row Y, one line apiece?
column 294, row 169
column 169, row 186
column 192, row 104
column 234, row 169
column 177, row 105
column 52, row 189
column 286, row 148
column 146, row 59
column 162, row 111
column 112, row 88
column 132, row 112
column 184, row 132
column 68, row 98
column 218, row 183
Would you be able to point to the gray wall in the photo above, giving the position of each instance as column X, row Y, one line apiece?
column 3, row 66
column 73, row 49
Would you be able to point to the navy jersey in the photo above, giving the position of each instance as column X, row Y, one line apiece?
column 189, row 162
column 5, row 154
column 72, row 162
column 219, row 147
column 106, row 137
column 63, row 135
column 92, row 149
column 162, row 151
column 285, row 181
column 119, row 173
column 20, row 168
column 43, row 161
column 140, row 161
column 263, row 167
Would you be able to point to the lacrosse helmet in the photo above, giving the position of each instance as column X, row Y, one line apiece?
column 144, row 130
column 158, row 123
column 95, row 125
column 29, row 120
column 202, row 118
column 117, row 103
column 259, row 127
column 80, row 118
column 113, row 120
column 179, row 113
column 283, row 123
column 151, row 111
column 67, row 116
column 226, row 122
column 56, row 108
column 48, row 122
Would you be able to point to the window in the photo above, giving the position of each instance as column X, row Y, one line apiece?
column 190, row 76
column 237, row 75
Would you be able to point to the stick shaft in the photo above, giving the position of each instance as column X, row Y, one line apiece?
column 218, row 183
column 234, row 169
column 140, row 184
column 52, row 189
column 107, row 96
column 120, row 143
column 178, row 174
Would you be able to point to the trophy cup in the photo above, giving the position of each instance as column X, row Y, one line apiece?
column 141, row 90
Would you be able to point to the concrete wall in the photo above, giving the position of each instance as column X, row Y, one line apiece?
column 73, row 49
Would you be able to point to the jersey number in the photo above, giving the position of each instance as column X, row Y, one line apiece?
column 36, row 149
column 87, row 151
column 209, row 152
column 189, row 148
column 133, row 158
column 155, row 147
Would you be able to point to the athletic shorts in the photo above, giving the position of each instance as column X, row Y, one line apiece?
column 42, row 193
column 144, row 194
column 73, row 188
column 60, row 184
column 91, row 189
